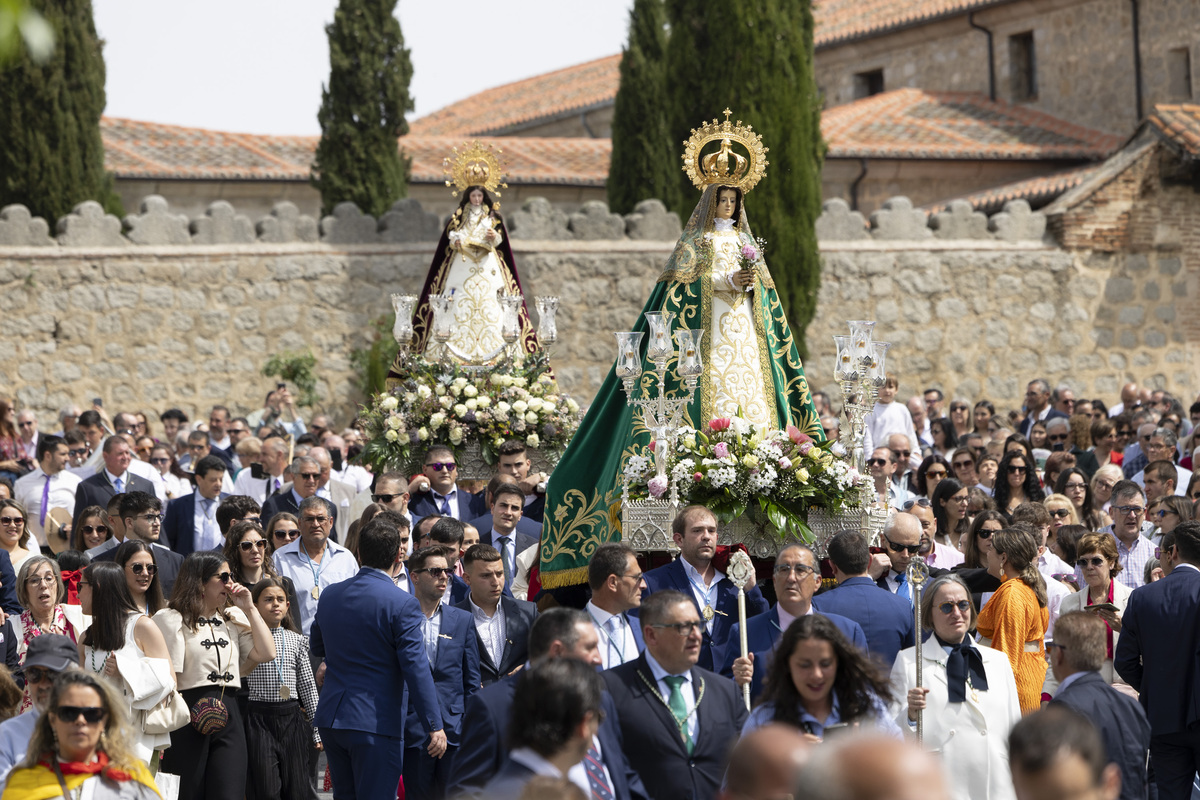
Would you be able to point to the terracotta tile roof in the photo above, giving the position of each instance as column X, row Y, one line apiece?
column 504, row 107
column 1037, row 191
column 915, row 124
column 1180, row 124
column 841, row 20
column 148, row 150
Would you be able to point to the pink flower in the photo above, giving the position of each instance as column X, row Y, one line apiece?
column 749, row 252
column 785, row 464
column 697, row 476
column 805, row 447
column 719, row 424
column 657, row 486
column 797, row 436
column 653, row 442
column 721, row 450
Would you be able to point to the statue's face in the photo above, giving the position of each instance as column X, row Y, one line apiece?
column 726, row 202
column 476, row 197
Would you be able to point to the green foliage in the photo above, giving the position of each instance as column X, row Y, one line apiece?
column 300, row 369
column 51, row 153
column 756, row 58
column 21, row 25
column 373, row 362
column 362, row 109
column 645, row 157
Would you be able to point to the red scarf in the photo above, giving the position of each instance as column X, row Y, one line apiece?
column 98, row 767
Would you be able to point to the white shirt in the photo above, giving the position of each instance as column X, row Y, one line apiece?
column 686, row 689
column 208, row 532
column 882, row 422
column 336, row 565
column 354, row 475
column 617, row 645
column 697, row 583
column 28, row 492
column 1182, row 478
column 492, row 630
column 258, row 488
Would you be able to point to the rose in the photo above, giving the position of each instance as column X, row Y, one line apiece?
column 721, row 450
column 749, row 252
column 391, row 436
column 437, row 420
column 503, row 407
column 535, row 404
column 531, row 418
column 549, row 408
column 456, row 435
column 697, row 476
column 460, row 410
column 802, row 474
column 483, row 401
column 459, row 383
column 785, row 464
column 572, row 406
column 532, row 440
column 423, row 434
column 446, row 402
column 657, row 486
column 423, row 391
column 750, row 461
column 719, row 424
column 470, row 391
column 456, row 390
column 439, row 390
column 472, row 404
column 797, row 436
column 395, row 423
column 410, row 397
column 520, row 406
column 805, row 448
column 389, row 403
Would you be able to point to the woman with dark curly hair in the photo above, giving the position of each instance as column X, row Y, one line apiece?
column 818, row 679
column 933, row 469
column 1017, row 482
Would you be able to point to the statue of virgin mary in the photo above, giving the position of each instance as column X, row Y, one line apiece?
column 750, row 360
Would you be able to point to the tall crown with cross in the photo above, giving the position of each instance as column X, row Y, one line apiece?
column 725, row 166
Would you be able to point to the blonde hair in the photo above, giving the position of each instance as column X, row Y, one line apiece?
column 1065, row 502
column 116, row 738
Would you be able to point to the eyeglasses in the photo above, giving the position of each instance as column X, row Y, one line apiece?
column 963, row 464
column 25, row 424
column 158, row 462
column 912, row 549
column 877, row 462
column 149, row 569
column 1094, row 561
column 438, row 466
column 285, row 534
column 12, row 520
column 45, row 580
column 940, row 473
column 800, row 570
column 224, row 577
column 314, row 520
column 1013, row 469
column 434, row 572
column 919, row 501
column 152, row 518
column 258, row 544
column 1070, row 486
column 91, row 714
column 1060, row 513
column 1127, row 510
column 682, row 628
column 39, row 674
column 309, row 476
column 963, row 606
column 385, row 498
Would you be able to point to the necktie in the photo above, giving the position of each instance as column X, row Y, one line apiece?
column 45, row 502
column 963, row 659
column 597, row 781
column 504, row 558
column 119, row 485
column 208, row 504
column 902, row 587
column 616, row 641
column 679, row 709
column 277, row 484
column 443, row 504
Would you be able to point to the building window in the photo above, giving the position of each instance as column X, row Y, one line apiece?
column 1022, row 66
column 1179, row 73
column 868, row 83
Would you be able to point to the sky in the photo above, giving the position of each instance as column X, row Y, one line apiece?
column 257, row 66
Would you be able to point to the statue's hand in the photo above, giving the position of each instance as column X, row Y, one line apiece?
column 743, row 278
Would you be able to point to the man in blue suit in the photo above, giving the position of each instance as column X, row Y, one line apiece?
column 371, row 637
column 191, row 522
column 114, row 479
column 695, row 532
column 1157, row 655
column 560, row 632
column 886, row 619
column 436, row 490
column 796, row 578
column 1076, row 656
column 483, row 523
column 501, row 622
column 454, row 659
column 616, row 582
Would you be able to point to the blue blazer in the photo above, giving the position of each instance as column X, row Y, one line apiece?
column 484, row 749
column 763, row 634
column 525, row 526
column 887, row 620
column 455, row 673
column 518, row 618
column 179, row 527
column 371, row 639
column 672, row 576
column 1157, row 651
column 1121, row 722
column 459, row 591
column 422, row 505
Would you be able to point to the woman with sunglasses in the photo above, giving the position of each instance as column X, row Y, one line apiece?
column 281, row 529
column 950, row 501
column 125, row 646
column 42, row 595
column 211, row 765
column 974, row 544
column 818, row 680
column 246, row 552
column 1166, row 513
column 933, row 469
column 1017, row 481
column 967, row 692
column 1015, row 619
column 1073, row 484
column 136, row 559
column 1099, row 564
column 162, row 458
column 1062, row 512
column 91, row 529
column 82, row 747
column 14, row 532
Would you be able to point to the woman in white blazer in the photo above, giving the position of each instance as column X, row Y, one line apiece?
column 968, row 699
column 1099, row 563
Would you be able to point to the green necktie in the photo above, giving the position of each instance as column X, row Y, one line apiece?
column 679, row 709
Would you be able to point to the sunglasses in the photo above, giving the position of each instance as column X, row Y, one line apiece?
column 920, row 501
column 438, row 466
column 683, row 628
column 958, row 408
column 309, row 476
column 385, row 498
column 158, row 462
column 903, row 453
column 78, row 453
column 12, row 521
column 149, row 569
column 964, row 606
column 1060, row 513
column 963, row 464
column 1125, row 432
column 39, row 674
column 91, row 714
column 1094, row 561
column 912, row 549
column 284, row 534
column 246, row 547
column 939, row 473
column 1162, row 512
column 224, row 577
column 434, row 572
column 94, row 529
column 877, row 462
column 1013, row 469
column 1058, row 437
column 985, row 533
column 1135, row 510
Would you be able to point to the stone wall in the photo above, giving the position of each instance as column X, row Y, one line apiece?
column 164, row 311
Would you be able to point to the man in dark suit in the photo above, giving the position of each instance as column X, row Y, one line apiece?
column 503, row 535
column 1037, row 405
column 512, row 466
column 370, row 636
column 306, row 477
column 1157, row 656
column 902, row 541
column 560, row 632
column 483, row 523
column 501, row 622
column 887, row 620
column 796, row 577
column 616, row 583
column 695, row 533
column 1057, row 753
column 454, row 659
column 436, row 490
column 1076, row 656
column 678, row 721
column 556, row 713
column 115, row 478
column 191, row 522
column 141, row 515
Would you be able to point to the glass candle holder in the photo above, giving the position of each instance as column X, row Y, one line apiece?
column 443, row 316
column 510, row 317
column 629, row 362
column 691, row 363
column 402, row 328
column 547, row 331
column 659, row 348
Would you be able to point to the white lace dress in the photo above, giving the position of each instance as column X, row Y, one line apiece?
column 475, row 276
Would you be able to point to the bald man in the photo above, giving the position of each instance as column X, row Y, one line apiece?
column 765, row 764
column 872, row 767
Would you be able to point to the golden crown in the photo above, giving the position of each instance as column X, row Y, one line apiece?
column 477, row 165
column 723, row 166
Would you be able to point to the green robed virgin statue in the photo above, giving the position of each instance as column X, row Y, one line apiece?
column 750, row 359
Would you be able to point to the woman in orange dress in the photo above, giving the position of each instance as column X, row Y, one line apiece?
column 1014, row 619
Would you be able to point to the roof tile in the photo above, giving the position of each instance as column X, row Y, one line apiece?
column 1180, row 124
column 1037, row 191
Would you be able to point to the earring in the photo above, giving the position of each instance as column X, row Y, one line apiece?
column 104, row 739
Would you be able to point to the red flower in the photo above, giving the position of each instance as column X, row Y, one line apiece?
column 719, row 424
column 797, row 436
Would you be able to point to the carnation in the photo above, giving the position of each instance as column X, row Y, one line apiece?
column 657, row 485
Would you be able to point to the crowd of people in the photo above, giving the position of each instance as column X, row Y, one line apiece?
column 222, row 600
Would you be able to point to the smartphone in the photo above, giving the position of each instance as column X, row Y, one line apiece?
column 835, row 730
column 257, row 472
column 96, row 401
column 335, row 460
column 1104, row 607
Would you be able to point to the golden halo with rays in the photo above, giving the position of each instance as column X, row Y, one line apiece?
column 477, row 165
column 724, row 166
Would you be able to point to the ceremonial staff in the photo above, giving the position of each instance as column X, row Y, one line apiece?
column 918, row 573
column 740, row 571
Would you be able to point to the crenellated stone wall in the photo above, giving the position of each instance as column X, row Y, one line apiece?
column 160, row 310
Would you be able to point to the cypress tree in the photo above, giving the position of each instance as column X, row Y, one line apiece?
column 51, row 153
column 362, row 109
column 756, row 57
column 645, row 156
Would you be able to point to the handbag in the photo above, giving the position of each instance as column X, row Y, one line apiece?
column 168, row 716
column 209, row 714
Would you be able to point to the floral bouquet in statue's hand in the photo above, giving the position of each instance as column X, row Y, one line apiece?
column 750, row 255
column 447, row 404
column 737, row 468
